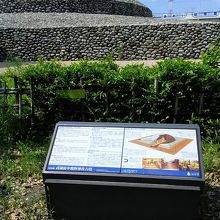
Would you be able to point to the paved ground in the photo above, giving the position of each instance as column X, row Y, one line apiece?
column 4, row 65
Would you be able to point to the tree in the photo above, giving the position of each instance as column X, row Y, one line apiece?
column 212, row 56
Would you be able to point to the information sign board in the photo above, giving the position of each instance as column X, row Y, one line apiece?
column 91, row 149
column 139, row 149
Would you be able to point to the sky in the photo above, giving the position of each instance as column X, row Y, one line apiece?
column 181, row 6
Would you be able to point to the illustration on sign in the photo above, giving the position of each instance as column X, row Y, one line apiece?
column 159, row 163
column 163, row 142
column 161, row 151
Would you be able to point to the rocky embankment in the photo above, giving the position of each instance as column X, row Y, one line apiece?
column 72, row 36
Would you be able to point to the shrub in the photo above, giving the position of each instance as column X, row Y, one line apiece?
column 212, row 56
column 173, row 91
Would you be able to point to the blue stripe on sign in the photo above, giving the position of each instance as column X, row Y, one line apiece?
column 83, row 168
column 184, row 173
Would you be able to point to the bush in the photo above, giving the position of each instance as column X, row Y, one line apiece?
column 211, row 155
column 188, row 90
column 173, row 91
column 212, row 56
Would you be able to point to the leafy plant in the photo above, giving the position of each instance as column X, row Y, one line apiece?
column 211, row 156
column 173, row 91
column 97, row 91
column 212, row 56
column 21, row 189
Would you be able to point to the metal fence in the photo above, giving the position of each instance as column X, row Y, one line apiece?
column 189, row 15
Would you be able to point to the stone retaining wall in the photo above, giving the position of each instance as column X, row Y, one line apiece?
column 79, row 6
column 157, row 41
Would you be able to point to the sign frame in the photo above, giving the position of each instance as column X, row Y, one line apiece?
column 123, row 177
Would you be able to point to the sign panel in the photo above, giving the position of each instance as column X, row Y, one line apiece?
column 170, row 152
column 91, row 149
column 126, row 150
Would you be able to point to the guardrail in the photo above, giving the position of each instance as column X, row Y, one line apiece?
column 189, row 15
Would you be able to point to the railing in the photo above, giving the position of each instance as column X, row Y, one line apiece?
column 168, row 16
column 189, row 15
column 18, row 92
column 207, row 14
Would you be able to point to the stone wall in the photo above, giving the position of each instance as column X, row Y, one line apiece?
column 79, row 6
column 157, row 41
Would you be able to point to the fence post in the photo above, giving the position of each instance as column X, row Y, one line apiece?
column 4, row 98
column 20, row 102
column 31, row 105
column 16, row 89
column 107, row 100
column 156, row 85
column 176, row 109
column 132, row 98
column 201, row 100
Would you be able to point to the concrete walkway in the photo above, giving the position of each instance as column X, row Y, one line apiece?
column 4, row 65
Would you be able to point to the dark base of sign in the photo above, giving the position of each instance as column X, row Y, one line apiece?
column 88, row 202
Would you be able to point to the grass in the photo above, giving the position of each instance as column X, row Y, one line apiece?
column 22, row 193
column 21, row 187
column 211, row 155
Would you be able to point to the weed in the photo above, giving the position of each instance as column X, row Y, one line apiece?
column 21, row 187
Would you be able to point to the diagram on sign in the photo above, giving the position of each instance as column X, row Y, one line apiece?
column 163, row 142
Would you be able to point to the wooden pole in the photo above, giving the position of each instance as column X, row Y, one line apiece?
column 16, row 89
column 201, row 100
column 132, row 98
column 31, row 104
column 156, row 85
column 4, row 98
column 176, row 109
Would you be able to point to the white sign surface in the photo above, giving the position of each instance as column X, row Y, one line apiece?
column 87, row 147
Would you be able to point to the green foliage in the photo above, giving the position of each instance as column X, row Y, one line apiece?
column 22, row 160
column 172, row 91
column 13, row 126
column 189, row 82
column 212, row 56
column 211, row 155
column 21, row 189
column 98, row 91
column 74, row 94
